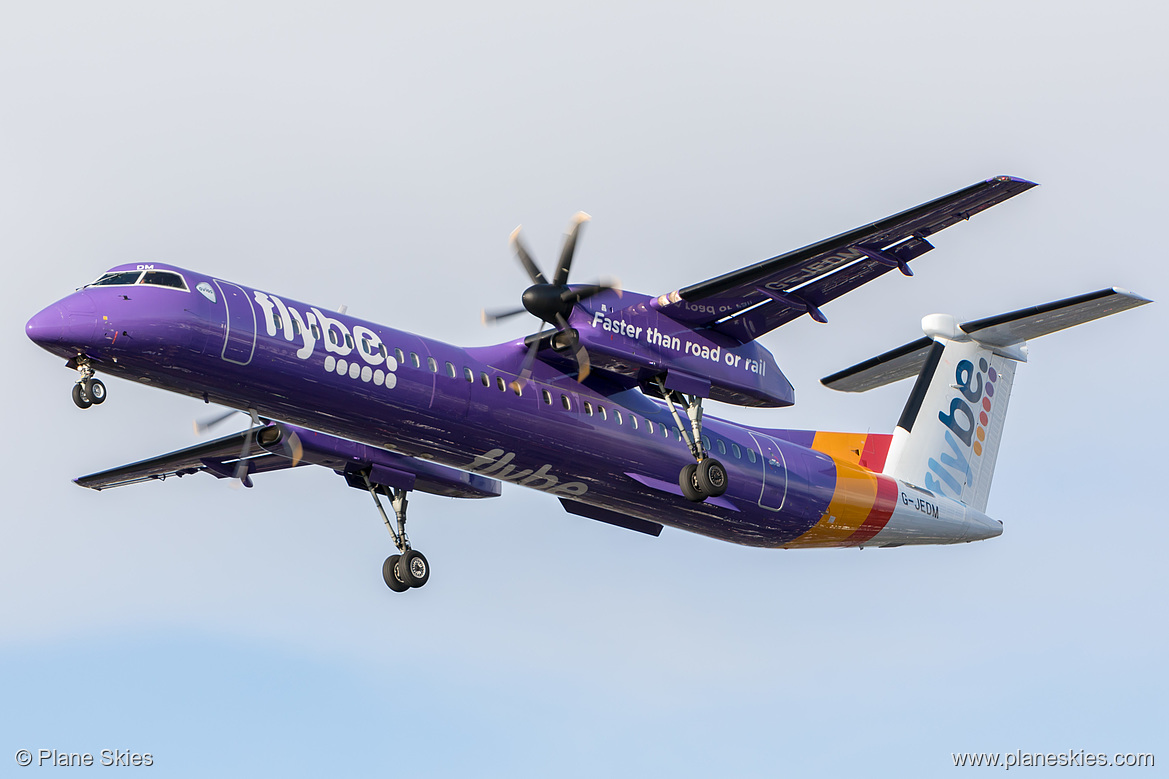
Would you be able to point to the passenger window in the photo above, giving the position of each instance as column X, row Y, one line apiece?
column 665, row 432
column 469, row 375
column 295, row 327
column 450, row 369
column 649, row 425
column 401, row 358
column 349, row 340
column 432, row 364
column 415, row 361
column 333, row 337
column 706, row 443
column 500, row 384
column 601, row 412
column 617, row 416
column 382, row 350
column 722, row 448
column 564, row 401
column 736, row 451
column 633, row 421
column 547, row 397
column 483, row 378
column 316, row 331
column 279, row 323
column 751, row 454
column 517, row 388
column 588, row 408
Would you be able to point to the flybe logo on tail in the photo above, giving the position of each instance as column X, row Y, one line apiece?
column 966, row 423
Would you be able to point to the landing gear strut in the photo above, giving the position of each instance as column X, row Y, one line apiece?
column 88, row 391
column 705, row 477
column 409, row 568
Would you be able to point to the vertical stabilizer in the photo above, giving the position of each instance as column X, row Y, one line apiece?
column 947, row 439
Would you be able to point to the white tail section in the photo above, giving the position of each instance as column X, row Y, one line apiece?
column 948, row 437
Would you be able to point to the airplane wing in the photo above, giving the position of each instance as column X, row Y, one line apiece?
column 221, row 457
column 749, row 302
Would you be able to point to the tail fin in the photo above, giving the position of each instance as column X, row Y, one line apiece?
column 947, row 439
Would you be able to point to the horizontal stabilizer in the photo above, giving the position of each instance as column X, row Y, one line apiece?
column 1001, row 331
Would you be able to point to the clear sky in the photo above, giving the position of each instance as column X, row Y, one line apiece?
column 378, row 155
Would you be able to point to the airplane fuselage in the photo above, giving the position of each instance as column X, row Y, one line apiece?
column 600, row 443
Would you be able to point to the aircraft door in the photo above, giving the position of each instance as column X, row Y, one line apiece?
column 774, row 489
column 239, row 335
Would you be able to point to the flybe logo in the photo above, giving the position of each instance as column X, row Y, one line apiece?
column 966, row 423
column 497, row 464
column 357, row 353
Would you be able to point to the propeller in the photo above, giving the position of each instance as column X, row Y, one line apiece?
column 552, row 302
column 269, row 435
column 241, row 467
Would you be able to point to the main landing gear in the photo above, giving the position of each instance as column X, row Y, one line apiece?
column 408, row 568
column 705, row 477
column 88, row 391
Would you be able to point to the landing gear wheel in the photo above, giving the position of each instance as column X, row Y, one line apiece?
column 389, row 573
column 413, row 568
column 711, row 477
column 80, row 398
column 95, row 390
column 688, row 481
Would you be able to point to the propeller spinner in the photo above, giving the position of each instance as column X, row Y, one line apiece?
column 552, row 302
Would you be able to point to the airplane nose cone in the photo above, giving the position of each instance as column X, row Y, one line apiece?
column 46, row 326
column 68, row 322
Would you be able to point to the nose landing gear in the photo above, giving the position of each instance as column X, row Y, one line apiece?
column 88, row 391
column 409, row 568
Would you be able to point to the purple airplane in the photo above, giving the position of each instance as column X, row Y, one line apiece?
column 603, row 408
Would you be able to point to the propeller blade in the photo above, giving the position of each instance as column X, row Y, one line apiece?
column 241, row 468
column 566, row 253
column 294, row 449
column 521, row 381
column 583, row 364
column 586, row 291
column 526, row 259
column 491, row 317
column 582, row 361
column 205, row 424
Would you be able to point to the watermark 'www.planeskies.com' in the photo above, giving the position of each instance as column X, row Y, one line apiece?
column 1021, row 759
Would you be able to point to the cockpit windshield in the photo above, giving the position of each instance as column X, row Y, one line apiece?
column 155, row 278
column 163, row 278
column 117, row 278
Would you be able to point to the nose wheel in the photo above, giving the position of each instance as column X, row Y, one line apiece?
column 88, row 391
column 409, row 568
